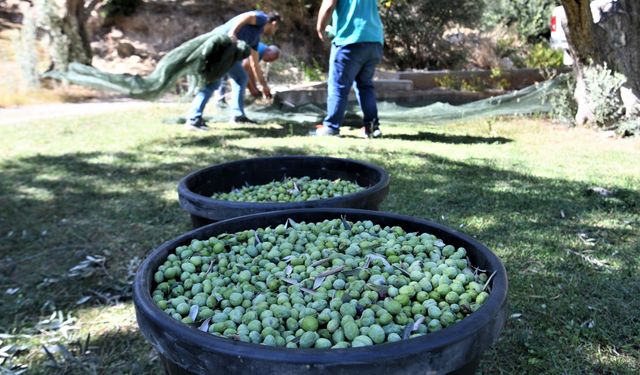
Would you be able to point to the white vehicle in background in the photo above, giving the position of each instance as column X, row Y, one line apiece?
column 558, row 39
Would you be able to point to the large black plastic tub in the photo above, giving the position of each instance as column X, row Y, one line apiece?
column 195, row 189
column 456, row 349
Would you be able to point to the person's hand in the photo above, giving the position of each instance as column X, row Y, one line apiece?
column 321, row 34
column 233, row 37
column 254, row 92
column 266, row 92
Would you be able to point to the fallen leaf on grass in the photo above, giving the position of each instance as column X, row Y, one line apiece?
column 82, row 300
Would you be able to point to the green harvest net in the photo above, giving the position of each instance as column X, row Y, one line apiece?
column 209, row 56
column 531, row 100
column 204, row 59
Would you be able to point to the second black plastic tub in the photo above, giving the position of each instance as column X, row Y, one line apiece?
column 195, row 189
column 453, row 350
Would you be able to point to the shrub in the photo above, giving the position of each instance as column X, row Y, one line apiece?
column 629, row 127
column 529, row 17
column 475, row 84
column 563, row 105
column 498, row 81
column 603, row 88
column 543, row 56
column 448, row 82
column 414, row 31
column 313, row 71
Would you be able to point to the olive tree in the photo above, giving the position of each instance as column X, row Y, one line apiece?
column 612, row 40
column 414, row 30
column 530, row 18
column 64, row 22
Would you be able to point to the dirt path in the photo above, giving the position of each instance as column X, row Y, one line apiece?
column 18, row 115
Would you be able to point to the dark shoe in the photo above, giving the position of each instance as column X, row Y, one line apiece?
column 324, row 131
column 242, row 120
column 371, row 130
column 196, row 124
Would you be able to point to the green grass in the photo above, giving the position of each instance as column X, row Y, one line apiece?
column 105, row 186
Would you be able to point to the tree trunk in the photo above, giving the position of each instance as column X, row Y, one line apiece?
column 64, row 22
column 74, row 26
column 613, row 40
column 617, row 40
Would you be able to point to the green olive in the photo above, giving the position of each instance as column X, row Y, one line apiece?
column 309, row 323
column 332, row 284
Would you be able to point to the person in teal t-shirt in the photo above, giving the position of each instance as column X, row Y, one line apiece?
column 356, row 49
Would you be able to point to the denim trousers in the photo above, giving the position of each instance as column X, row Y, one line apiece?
column 352, row 65
column 239, row 80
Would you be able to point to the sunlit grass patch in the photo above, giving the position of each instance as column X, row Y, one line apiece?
column 84, row 199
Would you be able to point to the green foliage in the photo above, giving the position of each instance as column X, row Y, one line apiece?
column 628, row 127
column 530, row 18
column 603, row 88
column 414, row 31
column 121, row 7
column 506, row 46
column 448, row 82
column 312, row 71
column 499, row 82
column 474, row 84
column 563, row 105
column 543, row 56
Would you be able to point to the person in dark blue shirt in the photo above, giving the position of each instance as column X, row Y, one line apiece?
column 248, row 27
column 266, row 54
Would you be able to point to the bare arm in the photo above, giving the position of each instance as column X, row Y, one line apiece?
column 326, row 9
column 251, row 84
column 248, row 18
column 257, row 71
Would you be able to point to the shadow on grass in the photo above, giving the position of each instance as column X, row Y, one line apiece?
column 59, row 209
column 571, row 275
column 283, row 129
column 570, row 257
column 120, row 351
column 448, row 138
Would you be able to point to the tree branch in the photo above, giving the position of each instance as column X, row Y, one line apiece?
column 92, row 5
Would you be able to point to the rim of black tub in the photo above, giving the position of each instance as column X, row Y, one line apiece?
column 157, row 326
column 215, row 209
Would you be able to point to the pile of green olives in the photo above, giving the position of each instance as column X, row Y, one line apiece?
column 331, row 284
column 291, row 189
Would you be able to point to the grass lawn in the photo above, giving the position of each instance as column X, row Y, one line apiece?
column 83, row 200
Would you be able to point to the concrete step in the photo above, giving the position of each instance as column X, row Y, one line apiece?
column 511, row 79
column 318, row 95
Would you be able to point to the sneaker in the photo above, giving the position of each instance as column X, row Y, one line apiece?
column 371, row 131
column 242, row 120
column 196, row 124
column 323, row 131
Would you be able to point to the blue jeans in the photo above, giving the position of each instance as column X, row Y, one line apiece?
column 353, row 62
column 239, row 82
